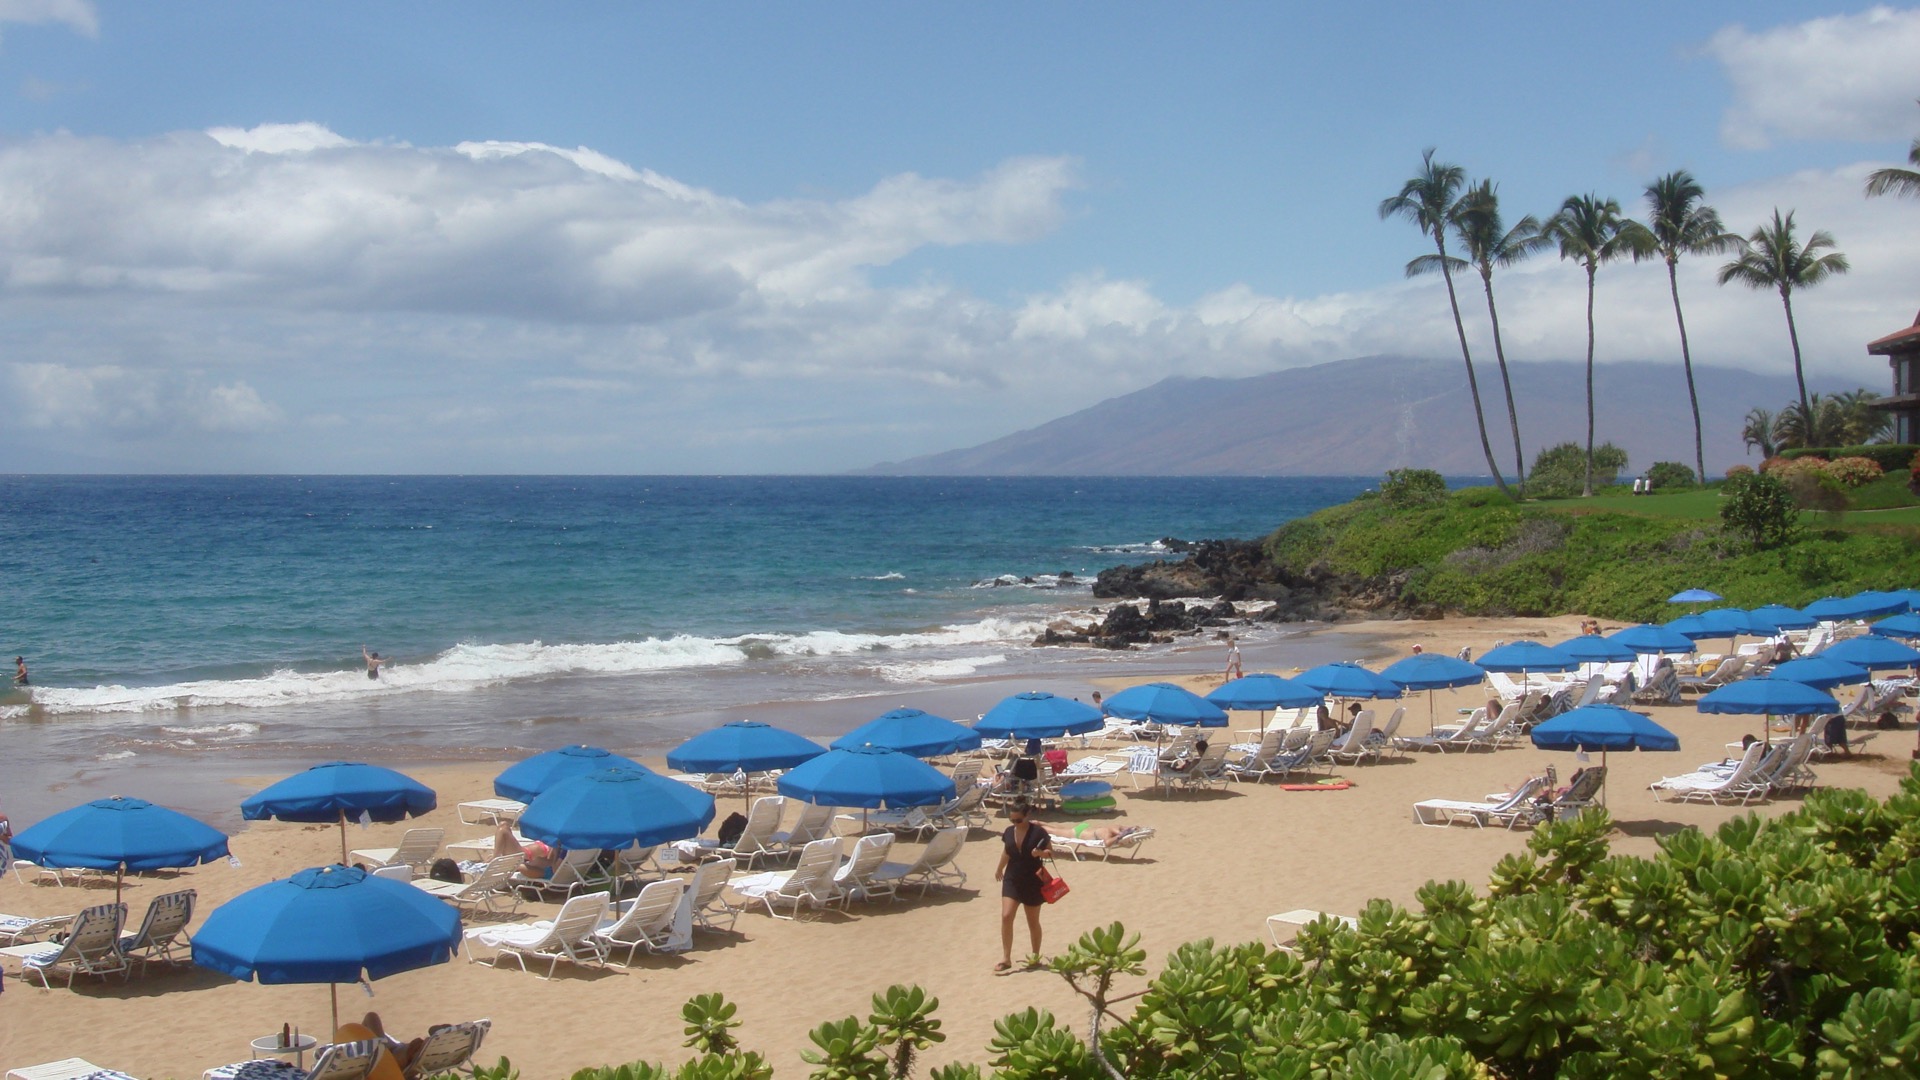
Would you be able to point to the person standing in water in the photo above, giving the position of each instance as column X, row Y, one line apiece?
column 374, row 661
column 20, row 671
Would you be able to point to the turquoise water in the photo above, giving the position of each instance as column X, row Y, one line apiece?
column 204, row 618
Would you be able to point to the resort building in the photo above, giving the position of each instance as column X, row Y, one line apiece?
column 1902, row 350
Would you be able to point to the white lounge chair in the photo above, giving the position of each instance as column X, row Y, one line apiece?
column 22, row 929
column 1296, row 919
column 1737, row 784
column 816, row 822
column 1355, row 745
column 340, row 1061
column 1457, row 738
column 1257, row 763
column 758, row 839
column 490, row 811
column 569, row 936
column 935, row 866
column 1311, row 756
column 578, row 871
column 417, row 849
column 67, row 1069
column 1508, row 810
column 855, row 878
column 1077, row 846
column 449, row 1046
column 709, row 888
column 488, row 888
column 165, row 923
column 92, row 947
column 809, row 882
column 646, row 920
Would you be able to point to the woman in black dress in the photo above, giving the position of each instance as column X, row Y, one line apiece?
column 1019, row 878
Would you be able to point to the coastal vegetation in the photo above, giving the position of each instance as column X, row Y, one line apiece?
column 1615, row 557
column 1767, row 948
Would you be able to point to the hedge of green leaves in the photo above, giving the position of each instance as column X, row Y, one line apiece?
column 1772, row 948
column 1477, row 553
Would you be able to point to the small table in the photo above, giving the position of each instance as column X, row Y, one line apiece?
column 270, row 1045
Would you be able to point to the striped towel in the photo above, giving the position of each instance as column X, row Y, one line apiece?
column 261, row 1069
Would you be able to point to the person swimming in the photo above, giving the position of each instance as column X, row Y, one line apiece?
column 20, row 671
column 373, row 662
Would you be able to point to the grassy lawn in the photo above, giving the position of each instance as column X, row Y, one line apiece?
column 1883, row 502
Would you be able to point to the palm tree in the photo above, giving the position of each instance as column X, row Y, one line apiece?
column 1682, row 224
column 1428, row 201
column 1897, row 181
column 1476, row 221
column 1773, row 259
column 1591, row 231
column 1761, row 432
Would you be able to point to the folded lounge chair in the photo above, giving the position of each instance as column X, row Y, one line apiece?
column 92, row 947
column 646, row 920
column 417, row 849
column 570, row 937
column 935, row 866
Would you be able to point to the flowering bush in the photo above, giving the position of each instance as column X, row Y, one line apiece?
column 1785, row 468
column 1854, row 471
column 1774, row 463
column 1739, row 470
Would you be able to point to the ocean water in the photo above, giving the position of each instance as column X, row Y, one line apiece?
column 219, row 620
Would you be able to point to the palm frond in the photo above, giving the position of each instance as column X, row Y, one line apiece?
column 1432, row 264
column 1895, row 181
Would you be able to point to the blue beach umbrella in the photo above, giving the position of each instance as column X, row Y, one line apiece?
column 1782, row 616
column 1837, row 609
column 523, row 780
column 1650, row 640
column 1262, row 692
column 1594, row 649
column 1875, row 652
column 1037, row 714
column 1767, row 695
column 912, row 731
column 1602, row 728
column 869, row 777
column 1899, row 626
column 1820, row 672
column 1694, row 596
column 1719, row 623
column 617, row 808
column 1525, row 656
column 1348, row 680
column 1879, row 602
column 1432, row 671
column 120, row 834
column 337, row 790
column 743, row 746
column 1165, row 703
column 328, row 924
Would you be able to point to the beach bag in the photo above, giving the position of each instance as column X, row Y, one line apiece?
column 1052, row 888
column 731, row 828
column 445, row 870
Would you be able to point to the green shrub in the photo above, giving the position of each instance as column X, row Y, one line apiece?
column 1560, row 471
column 1739, row 470
column 1669, row 474
column 1760, row 509
column 1413, row 487
column 1889, row 456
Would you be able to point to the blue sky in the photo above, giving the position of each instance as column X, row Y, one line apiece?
column 805, row 237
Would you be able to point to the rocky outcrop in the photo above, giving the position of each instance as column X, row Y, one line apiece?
column 1127, row 625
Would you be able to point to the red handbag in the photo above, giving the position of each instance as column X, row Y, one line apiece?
column 1052, row 888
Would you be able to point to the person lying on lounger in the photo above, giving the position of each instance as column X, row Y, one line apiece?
column 1104, row 835
column 537, row 859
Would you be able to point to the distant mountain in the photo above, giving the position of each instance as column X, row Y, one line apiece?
column 1364, row 416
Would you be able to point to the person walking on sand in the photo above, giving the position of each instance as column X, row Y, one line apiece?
column 1019, row 878
column 20, row 671
column 374, row 662
column 1233, row 660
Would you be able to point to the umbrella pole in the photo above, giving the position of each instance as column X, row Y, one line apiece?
column 343, row 860
column 119, row 875
column 333, row 991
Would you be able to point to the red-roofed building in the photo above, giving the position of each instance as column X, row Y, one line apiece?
column 1902, row 350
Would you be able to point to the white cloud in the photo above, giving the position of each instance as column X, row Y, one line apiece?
column 78, row 14
column 515, row 306
column 1839, row 77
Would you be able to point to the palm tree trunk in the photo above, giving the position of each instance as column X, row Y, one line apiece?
column 1473, row 383
column 1686, row 361
column 1587, row 490
column 1799, row 376
column 1506, row 383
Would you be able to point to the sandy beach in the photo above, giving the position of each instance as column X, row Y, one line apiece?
column 1220, row 863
